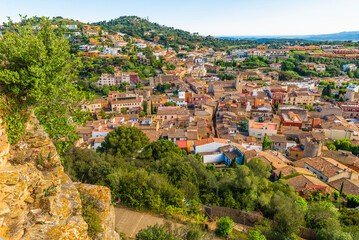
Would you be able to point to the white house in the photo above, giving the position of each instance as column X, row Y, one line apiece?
column 140, row 45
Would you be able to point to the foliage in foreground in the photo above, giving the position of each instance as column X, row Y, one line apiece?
column 37, row 70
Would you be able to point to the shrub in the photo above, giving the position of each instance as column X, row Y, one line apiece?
column 256, row 235
column 90, row 214
column 224, row 226
column 156, row 232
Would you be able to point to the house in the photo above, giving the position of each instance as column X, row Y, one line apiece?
column 217, row 150
column 291, row 119
column 307, row 185
column 336, row 127
column 96, row 104
column 106, row 79
column 85, row 133
column 319, row 67
column 171, row 113
column 130, row 104
column 351, row 110
column 70, row 27
column 280, row 143
column 350, row 186
column 260, row 129
column 141, row 45
column 326, row 169
column 90, row 30
column 287, row 171
column 351, row 67
column 277, row 66
column 269, row 157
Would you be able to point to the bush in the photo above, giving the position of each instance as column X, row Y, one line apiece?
column 332, row 234
column 256, row 235
column 353, row 201
column 156, row 232
column 90, row 214
column 224, row 226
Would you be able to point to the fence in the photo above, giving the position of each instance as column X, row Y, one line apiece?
column 236, row 215
column 248, row 219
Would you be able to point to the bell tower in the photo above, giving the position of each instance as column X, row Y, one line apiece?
column 238, row 83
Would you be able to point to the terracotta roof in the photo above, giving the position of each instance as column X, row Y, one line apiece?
column 326, row 166
column 349, row 186
column 182, row 144
column 210, row 140
column 303, row 181
column 288, row 170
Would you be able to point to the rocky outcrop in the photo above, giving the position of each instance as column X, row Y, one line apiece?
column 105, row 209
column 37, row 199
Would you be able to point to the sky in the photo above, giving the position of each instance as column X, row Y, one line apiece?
column 207, row 17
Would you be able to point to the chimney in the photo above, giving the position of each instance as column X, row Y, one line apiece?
column 322, row 169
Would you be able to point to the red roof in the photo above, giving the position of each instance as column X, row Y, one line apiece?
column 182, row 144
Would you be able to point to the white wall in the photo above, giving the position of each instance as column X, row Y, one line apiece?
column 209, row 147
column 213, row 158
column 99, row 134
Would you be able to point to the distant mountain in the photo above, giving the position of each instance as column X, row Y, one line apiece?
column 342, row 36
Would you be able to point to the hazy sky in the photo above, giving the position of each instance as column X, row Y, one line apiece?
column 208, row 17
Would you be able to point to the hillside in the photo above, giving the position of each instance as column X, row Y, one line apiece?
column 141, row 28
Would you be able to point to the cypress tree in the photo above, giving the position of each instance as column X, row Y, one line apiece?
column 233, row 163
column 244, row 160
column 341, row 189
column 280, row 175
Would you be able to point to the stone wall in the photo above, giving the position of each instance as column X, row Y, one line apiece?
column 25, row 210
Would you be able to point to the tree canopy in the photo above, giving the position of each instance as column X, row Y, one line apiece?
column 124, row 142
column 38, row 70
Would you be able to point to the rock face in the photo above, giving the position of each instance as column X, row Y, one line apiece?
column 37, row 199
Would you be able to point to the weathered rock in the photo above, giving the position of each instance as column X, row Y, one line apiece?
column 25, row 211
column 105, row 209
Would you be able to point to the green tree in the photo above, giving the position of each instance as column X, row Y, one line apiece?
column 233, row 163
column 224, row 226
column 336, row 195
column 256, row 235
column 244, row 160
column 266, row 143
column 341, row 189
column 322, row 215
column 103, row 114
column 161, row 148
column 170, row 104
column 124, row 141
column 124, row 111
column 38, row 70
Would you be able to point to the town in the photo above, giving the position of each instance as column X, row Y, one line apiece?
column 263, row 133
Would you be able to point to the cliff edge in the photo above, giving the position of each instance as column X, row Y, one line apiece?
column 37, row 199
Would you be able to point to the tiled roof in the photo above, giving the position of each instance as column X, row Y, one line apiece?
column 349, row 186
column 302, row 181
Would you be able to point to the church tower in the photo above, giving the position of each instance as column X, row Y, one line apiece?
column 238, row 83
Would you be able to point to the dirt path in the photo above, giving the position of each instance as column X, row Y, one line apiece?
column 131, row 222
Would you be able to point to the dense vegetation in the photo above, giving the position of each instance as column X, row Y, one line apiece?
column 37, row 70
column 164, row 179
column 141, row 28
